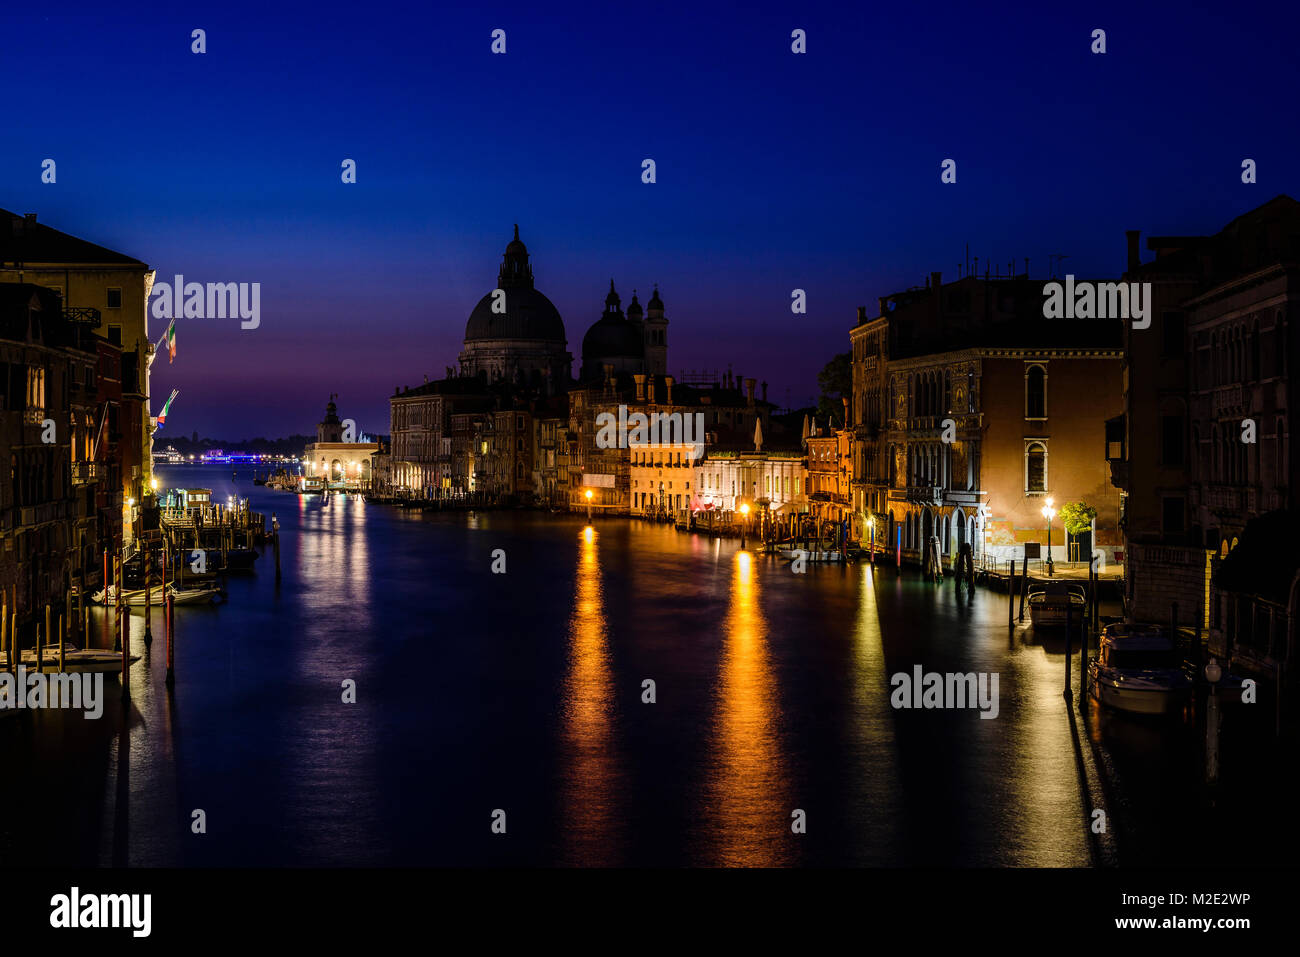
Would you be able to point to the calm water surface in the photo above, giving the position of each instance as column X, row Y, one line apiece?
column 524, row 692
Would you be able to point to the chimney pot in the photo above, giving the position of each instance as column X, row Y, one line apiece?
column 1134, row 257
column 883, row 302
column 936, row 280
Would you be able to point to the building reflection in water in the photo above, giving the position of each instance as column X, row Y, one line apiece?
column 747, row 810
column 591, row 822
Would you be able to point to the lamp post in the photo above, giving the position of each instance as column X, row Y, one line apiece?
column 1213, row 673
column 588, row 505
column 744, row 521
column 1049, row 513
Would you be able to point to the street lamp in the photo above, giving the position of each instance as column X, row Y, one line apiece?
column 1213, row 674
column 1049, row 513
column 744, row 521
column 589, row 505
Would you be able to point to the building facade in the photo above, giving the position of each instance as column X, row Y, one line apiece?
column 92, row 280
column 984, row 420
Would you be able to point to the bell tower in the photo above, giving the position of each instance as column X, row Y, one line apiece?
column 655, row 331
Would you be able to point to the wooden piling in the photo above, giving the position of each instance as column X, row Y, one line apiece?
column 126, row 661
column 1083, row 664
column 1024, row 585
column 1069, row 647
column 1011, row 594
column 62, row 666
column 148, row 599
column 169, row 625
column 4, row 630
column 85, row 634
column 275, row 544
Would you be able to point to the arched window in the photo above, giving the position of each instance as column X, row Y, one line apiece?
column 1035, row 467
column 1035, row 392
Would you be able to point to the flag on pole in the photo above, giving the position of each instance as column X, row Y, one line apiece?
column 169, row 339
column 162, row 416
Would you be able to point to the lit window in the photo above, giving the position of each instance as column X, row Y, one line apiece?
column 1036, row 467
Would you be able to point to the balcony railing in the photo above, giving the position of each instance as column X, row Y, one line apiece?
column 83, row 314
column 1228, row 401
column 84, row 472
column 33, row 416
column 925, row 494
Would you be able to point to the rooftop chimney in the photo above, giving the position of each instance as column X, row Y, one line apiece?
column 862, row 314
column 749, row 391
column 764, row 391
column 883, row 303
column 668, row 384
column 1134, row 257
column 936, row 280
column 650, row 390
column 640, row 386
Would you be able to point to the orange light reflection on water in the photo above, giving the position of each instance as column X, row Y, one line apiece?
column 748, row 808
column 591, row 823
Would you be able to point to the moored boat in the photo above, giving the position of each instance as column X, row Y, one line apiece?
column 75, row 660
column 1050, row 603
column 1138, row 669
column 193, row 595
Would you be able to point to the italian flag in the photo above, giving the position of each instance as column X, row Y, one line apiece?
column 170, row 338
column 162, row 416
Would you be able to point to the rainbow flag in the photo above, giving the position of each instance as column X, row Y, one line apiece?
column 162, row 416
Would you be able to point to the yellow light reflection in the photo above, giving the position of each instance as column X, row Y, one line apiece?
column 592, row 823
column 747, row 790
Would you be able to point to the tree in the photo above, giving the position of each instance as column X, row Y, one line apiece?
column 1077, row 517
column 836, row 382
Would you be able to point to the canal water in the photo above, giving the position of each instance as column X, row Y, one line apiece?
column 521, row 698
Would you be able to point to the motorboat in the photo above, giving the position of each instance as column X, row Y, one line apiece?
column 190, row 595
column 809, row 554
column 1138, row 669
column 75, row 660
column 1052, row 602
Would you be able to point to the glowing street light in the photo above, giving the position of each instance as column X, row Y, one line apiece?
column 744, row 522
column 1049, row 513
column 589, row 505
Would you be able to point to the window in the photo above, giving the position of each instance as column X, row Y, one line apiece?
column 115, row 335
column 1036, row 468
column 1172, row 508
column 1171, row 439
column 1172, row 335
column 1035, row 392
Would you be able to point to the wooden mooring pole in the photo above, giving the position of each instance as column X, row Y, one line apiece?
column 148, row 599
column 169, row 625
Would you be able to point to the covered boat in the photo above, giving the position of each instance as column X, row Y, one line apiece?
column 1138, row 669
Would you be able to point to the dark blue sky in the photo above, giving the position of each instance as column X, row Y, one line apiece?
column 775, row 171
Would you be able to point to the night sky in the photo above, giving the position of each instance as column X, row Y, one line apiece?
column 775, row 171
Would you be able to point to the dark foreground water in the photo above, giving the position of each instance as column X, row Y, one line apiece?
column 522, row 693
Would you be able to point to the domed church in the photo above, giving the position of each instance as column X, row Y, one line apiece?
column 515, row 333
column 632, row 343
